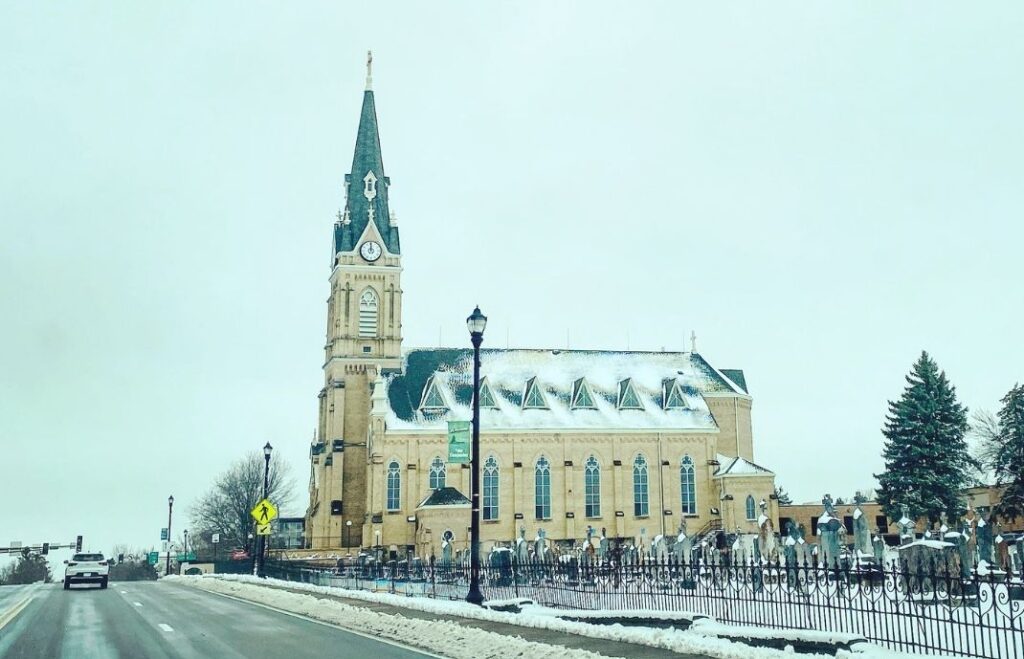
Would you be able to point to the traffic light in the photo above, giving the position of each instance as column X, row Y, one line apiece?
column 46, row 548
column 120, row 559
column 78, row 544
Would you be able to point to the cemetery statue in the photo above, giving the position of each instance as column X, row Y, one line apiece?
column 683, row 547
column 829, row 506
column 766, row 544
column 828, row 531
column 802, row 557
column 446, row 553
column 659, row 549
column 984, row 541
column 602, row 546
column 540, row 550
column 943, row 526
column 522, row 547
column 789, row 546
column 861, row 534
column 642, row 545
column 906, row 525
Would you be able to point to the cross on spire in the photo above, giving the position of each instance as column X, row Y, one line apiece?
column 369, row 69
column 693, row 341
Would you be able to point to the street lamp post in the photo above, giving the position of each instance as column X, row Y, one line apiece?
column 267, row 448
column 476, row 324
column 170, row 507
column 185, row 552
column 348, row 533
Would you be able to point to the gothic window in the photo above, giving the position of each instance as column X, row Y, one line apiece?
column 437, row 474
column 486, row 397
column 641, row 507
column 534, row 398
column 674, row 399
column 394, row 486
column 688, row 486
column 368, row 305
column 628, row 400
column 582, row 399
column 751, row 507
column 432, row 401
column 542, row 488
column 592, row 487
column 491, row 488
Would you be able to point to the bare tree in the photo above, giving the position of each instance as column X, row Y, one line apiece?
column 224, row 509
column 985, row 442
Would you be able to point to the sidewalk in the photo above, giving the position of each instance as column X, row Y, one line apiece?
column 572, row 641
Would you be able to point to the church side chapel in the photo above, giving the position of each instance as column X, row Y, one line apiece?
column 602, row 446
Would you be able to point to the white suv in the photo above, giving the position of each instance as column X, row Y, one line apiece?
column 86, row 568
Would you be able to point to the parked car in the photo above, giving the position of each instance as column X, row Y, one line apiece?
column 86, row 568
column 239, row 554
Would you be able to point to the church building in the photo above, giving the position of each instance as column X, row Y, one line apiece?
column 631, row 444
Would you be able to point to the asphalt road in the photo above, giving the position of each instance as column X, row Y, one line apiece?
column 152, row 619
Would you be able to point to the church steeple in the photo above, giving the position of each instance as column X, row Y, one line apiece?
column 366, row 184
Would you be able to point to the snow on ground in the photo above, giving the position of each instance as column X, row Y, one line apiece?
column 698, row 641
column 442, row 637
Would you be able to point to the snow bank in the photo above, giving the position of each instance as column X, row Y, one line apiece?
column 704, row 642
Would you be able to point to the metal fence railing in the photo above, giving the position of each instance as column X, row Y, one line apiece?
column 927, row 612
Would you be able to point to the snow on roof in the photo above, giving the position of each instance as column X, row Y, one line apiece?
column 506, row 373
column 738, row 467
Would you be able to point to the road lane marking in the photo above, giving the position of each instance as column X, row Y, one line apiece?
column 379, row 639
column 124, row 592
column 165, row 627
column 12, row 613
column 137, row 603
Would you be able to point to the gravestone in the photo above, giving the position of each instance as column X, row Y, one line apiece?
column 878, row 550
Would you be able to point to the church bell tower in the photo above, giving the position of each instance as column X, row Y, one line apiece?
column 364, row 338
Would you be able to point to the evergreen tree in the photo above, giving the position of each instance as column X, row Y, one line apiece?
column 30, row 568
column 783, row 497
column 1008, row 461
column 926, row 457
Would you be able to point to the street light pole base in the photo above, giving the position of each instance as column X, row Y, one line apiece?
column 475, row 597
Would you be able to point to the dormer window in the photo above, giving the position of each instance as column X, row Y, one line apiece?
column 533, row 398
column 487, row 400
column 674, row 399
column 581, row 396
column 432, row 400
column 370, row 186
column 628, row 400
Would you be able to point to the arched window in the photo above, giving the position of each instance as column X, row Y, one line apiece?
column 542, row 488
column 437, row 474
column 368, row 313
column 491, row 488
column 394, row 488
column 640, row 504
column 687, row 486
column 751, row 507
column 592, row 487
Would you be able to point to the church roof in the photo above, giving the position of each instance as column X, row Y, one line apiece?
column 738, row 467
column 364, row 200
column 445, row 496
column 517, row 376
column 737, row 377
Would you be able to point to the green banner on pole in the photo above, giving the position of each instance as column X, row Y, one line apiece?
column 458, row 442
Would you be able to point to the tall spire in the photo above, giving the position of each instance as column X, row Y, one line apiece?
column 366, row 184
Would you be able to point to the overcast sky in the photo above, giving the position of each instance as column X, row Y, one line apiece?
column 820, row 191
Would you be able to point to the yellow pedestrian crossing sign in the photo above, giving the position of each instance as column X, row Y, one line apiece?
column 263, row 529
column 263, row 512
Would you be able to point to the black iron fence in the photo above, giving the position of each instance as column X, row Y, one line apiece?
column 927, row 612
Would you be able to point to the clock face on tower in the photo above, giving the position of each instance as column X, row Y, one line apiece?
column 370, row 250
